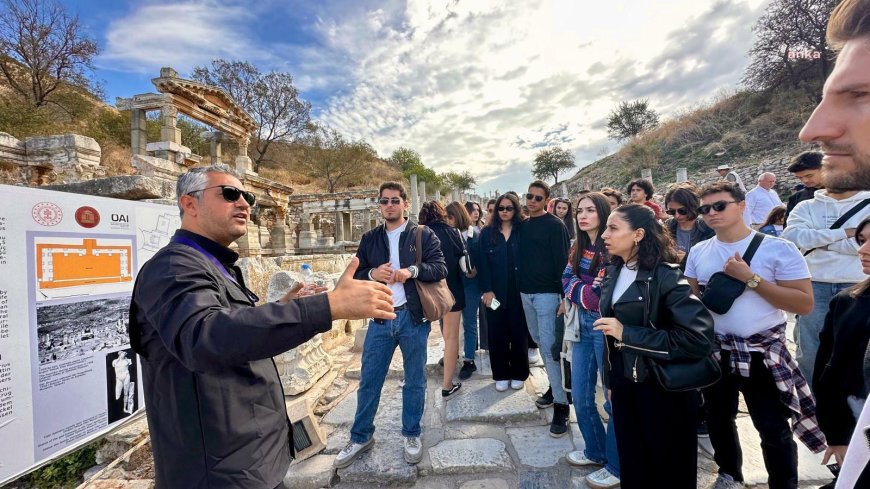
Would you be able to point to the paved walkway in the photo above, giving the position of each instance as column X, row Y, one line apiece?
column 482, row 439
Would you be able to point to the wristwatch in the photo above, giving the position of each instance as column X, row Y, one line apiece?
column 753, row 281
column 414, row 271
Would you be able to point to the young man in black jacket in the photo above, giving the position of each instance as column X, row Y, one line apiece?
column 388, row 254
column 543, row 255
column 806, row 167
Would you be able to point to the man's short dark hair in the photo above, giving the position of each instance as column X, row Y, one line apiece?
column 393, row 186
column 541, row 185
column 808, row 160
column 643, row 183
column 728, row 187
column 490, row 202
column 849, row 20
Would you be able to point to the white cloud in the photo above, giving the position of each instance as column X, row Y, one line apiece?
column 180, row 35
column 483, row 85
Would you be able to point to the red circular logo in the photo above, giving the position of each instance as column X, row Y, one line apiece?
column 46, row 214
column 87, row 217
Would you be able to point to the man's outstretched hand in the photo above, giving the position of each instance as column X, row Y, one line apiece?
column 359, row 299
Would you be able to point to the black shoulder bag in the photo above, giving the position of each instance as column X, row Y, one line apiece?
column 722, row 289
column 681, row 375
column 845, row 217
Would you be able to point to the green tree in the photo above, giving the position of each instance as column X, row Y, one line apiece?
column 551, row 162
column 270, row 98
column 458, row 181
column 42, row 48
column 790, row 48
column 629, row 119
column 329, row 156
column 409, row 162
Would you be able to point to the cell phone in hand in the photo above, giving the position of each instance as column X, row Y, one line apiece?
column 494, row 304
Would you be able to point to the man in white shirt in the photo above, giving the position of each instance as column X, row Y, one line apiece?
column 760, row 201
column 832, row 257
column 750, row 339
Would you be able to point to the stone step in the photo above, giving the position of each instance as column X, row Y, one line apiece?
column 469, row 456
column 478, row 401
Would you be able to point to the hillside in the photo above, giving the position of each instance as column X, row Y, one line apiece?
column 749, row 130
column 81, row 112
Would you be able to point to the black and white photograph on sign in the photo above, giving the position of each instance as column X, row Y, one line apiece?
column 122, row 380
column 66, row 331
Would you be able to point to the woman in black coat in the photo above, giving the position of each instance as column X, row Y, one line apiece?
column 497, row 274
column 655, row 429
column 838, row 379
column 433, row 215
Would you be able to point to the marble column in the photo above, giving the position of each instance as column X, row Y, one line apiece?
column 646, row 173
column 415, row 199
column 339, row 226
column 243, row 162
column 215, row 147
column 421, row 189
column 138, row 132
column 682, row 175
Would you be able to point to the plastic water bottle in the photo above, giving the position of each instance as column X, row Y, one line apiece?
column 308, row 282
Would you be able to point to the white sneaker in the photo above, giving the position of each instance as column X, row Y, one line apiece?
column 347, row 454
column 517, row 384
column 578, row 459
column 602, row 479
column 534, row 357
column 413, row 449
column 501, row 385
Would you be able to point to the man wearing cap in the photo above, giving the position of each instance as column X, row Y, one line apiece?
column 730, row 175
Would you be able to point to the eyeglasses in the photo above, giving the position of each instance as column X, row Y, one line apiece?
column 716, row 206
column 536, row 198
column 508, row 208
column 231, row 194
column 681, row 211
column 386, row 201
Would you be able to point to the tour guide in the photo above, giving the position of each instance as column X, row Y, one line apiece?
column 213, row 397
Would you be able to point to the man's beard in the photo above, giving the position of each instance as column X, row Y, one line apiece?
column 840, row 181
column 397, row 218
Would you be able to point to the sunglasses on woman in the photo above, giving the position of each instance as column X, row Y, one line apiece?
column 536, row 198
column 231, row 194
column 508, row 208
column 716, row 206
column 681, row 211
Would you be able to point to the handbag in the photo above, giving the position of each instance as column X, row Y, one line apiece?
column 465, row 263
column 435, row 297
column 722, row 289
column 681, row 375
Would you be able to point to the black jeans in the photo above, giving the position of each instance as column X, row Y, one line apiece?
column 769, row 414
column 508, row 347
column 655, row 433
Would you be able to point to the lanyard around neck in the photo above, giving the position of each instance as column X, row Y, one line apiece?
column 220, row 266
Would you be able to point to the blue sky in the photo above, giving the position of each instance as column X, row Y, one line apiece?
column 476, row 85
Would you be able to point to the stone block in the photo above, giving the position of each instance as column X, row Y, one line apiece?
column 300, row 410
column 359, row 338
column 166, row 146
column 128, row 187
column 469, row 456
column 314, row 473
column 479, row 401
column 12, row 150
column 343, row 413
column 537, row 448
column 383, row 464
column 150, row 166
column 121, row 440
column 301, row 367
column 485, row 484
column 71, row 157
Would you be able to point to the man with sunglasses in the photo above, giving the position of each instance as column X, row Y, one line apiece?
column 750, row 340
column 213, row 397
column 543, row 255
column 388, row 254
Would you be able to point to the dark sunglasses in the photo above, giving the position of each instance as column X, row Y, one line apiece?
column 716, row 206
column 509, row 208
column 386, row 201
column 536, row 198
column 681, row 211
column 231, row 194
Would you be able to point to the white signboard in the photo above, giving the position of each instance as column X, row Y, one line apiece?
column 67, row 267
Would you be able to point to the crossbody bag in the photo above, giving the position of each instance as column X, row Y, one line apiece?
column 722, row 289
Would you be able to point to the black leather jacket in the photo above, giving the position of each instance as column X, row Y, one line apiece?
column 679, row 327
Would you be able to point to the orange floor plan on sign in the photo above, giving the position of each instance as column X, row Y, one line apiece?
column 69, row 265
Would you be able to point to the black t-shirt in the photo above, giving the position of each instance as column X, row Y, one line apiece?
column 543, row 254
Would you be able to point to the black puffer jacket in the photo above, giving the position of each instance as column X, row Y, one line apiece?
column 679, row 327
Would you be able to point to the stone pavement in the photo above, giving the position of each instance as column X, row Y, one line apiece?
column 482, row 439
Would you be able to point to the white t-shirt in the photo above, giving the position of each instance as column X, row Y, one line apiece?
column 398, row 288
column 626, row 277
column 775, row 259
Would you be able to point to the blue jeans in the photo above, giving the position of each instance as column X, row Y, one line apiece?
column 809, row 327
column 381, row 341
column 587, row 355
column 540, row 310
column 469, row 316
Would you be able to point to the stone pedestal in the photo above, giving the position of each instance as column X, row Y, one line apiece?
column 301, row 367
column 244, row 164
column 169, row 130
column 308, row 236
column 299, row 411
column 249, row 244
column 682, row 175
column 646, row 174
column 281, row 239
